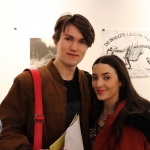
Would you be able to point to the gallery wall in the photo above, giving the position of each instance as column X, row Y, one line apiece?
column 21, row 20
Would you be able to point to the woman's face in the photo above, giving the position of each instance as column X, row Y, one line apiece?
column 105, row 82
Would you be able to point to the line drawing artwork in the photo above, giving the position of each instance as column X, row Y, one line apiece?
column 132, row 46
column 41, row 51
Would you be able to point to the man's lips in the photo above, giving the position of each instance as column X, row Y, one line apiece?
column 100, row 91
column 73, row 55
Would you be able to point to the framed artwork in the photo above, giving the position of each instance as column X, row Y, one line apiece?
column 41, row 52
column 133, row 47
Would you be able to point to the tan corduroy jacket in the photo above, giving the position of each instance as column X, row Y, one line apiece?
column 17, row 109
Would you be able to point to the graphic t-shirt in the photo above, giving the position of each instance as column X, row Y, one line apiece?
column 73, row 98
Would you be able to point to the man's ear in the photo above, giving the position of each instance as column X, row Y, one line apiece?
column 55, row 43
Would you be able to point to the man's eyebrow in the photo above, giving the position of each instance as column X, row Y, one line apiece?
column 68, row 35
column 83, row 39
column 72, row 36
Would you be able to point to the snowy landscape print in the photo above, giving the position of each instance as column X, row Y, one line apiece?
column 41, row 51
column 133, row 47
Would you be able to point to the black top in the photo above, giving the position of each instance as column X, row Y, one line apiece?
column 73, row 98
column 93, row 133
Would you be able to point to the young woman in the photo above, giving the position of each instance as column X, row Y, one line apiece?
column 121, row 117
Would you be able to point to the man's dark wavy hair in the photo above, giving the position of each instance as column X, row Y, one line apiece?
column 80, row 22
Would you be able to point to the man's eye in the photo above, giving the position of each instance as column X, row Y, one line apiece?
column 83, row 42
column 68, row 39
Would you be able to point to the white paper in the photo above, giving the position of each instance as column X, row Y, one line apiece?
column 73, row 137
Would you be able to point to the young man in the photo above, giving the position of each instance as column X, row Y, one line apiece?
column 65, row 90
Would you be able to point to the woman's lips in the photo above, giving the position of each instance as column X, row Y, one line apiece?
column 100, row 91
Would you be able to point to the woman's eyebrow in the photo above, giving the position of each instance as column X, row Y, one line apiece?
column 105, row 73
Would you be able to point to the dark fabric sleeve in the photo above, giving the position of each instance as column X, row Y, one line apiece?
column 92, row 93
column 13, row 114
column 140, row 122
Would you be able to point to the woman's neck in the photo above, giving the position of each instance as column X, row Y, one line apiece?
column 109, row 109
column 110, row 104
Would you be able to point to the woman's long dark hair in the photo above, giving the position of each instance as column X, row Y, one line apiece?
column 134, row 102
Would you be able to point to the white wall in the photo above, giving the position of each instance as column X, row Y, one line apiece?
column 36, row 18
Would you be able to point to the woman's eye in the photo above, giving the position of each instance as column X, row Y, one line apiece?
column 106, row 78
column 94, row 78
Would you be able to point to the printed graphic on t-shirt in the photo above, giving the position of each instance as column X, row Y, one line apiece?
column 72, row 109
column 0, row 127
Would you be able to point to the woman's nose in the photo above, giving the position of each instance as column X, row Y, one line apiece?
column 99, row 83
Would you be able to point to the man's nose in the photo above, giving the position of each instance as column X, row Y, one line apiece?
column 74, row 45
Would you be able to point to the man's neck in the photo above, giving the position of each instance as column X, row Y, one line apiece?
column 66, row 72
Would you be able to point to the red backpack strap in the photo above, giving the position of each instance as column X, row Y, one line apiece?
column 38, row 112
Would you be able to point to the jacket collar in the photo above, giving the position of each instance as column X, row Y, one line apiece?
column 54, row 72
column 111, row 117
column 56, row 75
column 140, row 122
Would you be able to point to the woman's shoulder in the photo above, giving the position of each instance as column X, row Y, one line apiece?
column 133, row 135
column 140, row 121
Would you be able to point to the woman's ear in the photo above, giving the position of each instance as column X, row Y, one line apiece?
column 120, row 84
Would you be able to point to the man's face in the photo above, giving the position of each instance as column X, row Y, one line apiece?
column 71, row 46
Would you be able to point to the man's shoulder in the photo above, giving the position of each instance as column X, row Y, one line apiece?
column 87, row 74
column 25, row 75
